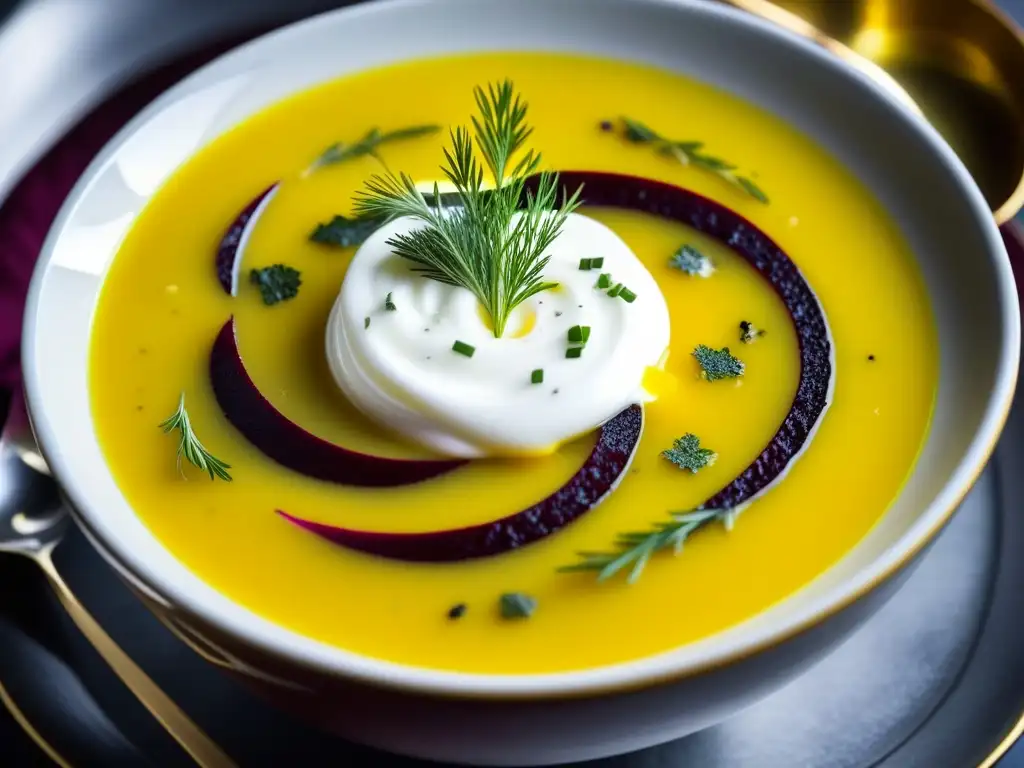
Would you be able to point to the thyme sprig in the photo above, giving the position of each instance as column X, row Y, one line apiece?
column 190, row 448
column 633, row 550
column 491, row 242
column 368, row 145
column 690, row 153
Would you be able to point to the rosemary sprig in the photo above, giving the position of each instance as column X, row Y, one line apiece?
column 633, row 550
column 190, row 448
column 689, row 153
column 485, row 243
column 368, row 145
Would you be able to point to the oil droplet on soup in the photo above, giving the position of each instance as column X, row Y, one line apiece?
column 229, row 534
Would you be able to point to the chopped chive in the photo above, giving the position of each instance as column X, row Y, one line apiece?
column 627, row 295
column 605, row 280
column 577, row 334
column 516, row 605
column 615, row 290
column 389, row 305
column 573, row 352
column 463, row 348
column 537, row 377
column 597, row 263
column 366, row 322
column 586, row 264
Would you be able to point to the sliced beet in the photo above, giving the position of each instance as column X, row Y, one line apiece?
column 232, row 245
column 289, row 444
column 586, row 489
column 814, row 391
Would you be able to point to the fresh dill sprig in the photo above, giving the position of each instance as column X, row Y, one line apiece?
column 190, row 448
column 485, row 242
column 368, row 145
column 687, row 453
column 633, row 550
column 689, row 153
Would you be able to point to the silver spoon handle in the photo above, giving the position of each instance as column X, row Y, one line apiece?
column 190, row 736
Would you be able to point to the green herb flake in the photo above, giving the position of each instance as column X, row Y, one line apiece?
column 690, row 153
column 627, row 295
column 573, row 352
column 368, row 145
column 691, row 261
column 342, row 232
column 615, row 290
column 604, row 281
column 516, row 605
column 389, row 305
column 579, row 334
column 749, row 333
column 537, row 376
column 597, row 263
column 463, row 348
column 717, row 363
column 686, row 453
column 189, row 448
column 585, row 264
column 366, row 322
column 276, row 283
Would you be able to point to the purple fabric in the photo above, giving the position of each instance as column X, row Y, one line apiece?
column 30, row 209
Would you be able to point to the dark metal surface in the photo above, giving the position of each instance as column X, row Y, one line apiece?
column 934, row 680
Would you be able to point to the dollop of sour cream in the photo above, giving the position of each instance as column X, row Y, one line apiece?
column 398, row 367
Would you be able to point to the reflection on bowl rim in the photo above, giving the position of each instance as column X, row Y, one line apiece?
column 320, row 658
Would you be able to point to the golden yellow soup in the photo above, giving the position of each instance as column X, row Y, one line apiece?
column 161, row 308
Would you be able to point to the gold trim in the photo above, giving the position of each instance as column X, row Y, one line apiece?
column 190, row 736
column 1006, row 212
column 19, row 717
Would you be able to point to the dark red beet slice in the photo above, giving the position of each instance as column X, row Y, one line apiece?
column 229, row 252
column 715, row 220
column 289, row 444
column 586, row 489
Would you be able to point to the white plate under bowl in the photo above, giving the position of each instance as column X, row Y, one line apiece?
column 898, row 156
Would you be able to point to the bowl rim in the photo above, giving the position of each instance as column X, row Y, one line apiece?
column 271, row 639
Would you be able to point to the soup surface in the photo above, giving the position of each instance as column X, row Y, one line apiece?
column 161, row 308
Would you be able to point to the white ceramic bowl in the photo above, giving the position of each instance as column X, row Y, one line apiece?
column 515, row 720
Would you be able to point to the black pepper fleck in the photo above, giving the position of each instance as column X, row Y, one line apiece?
column 457, row 611
column 871, row 358
column 558, row 314
column 554, row 391
column 606, row 125
column 138, row 407
column 143, row 351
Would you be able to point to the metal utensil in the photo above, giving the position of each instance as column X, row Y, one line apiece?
column 33, row 520
column 960, row 61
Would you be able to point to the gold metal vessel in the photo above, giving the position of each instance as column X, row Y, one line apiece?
column 961, row 61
